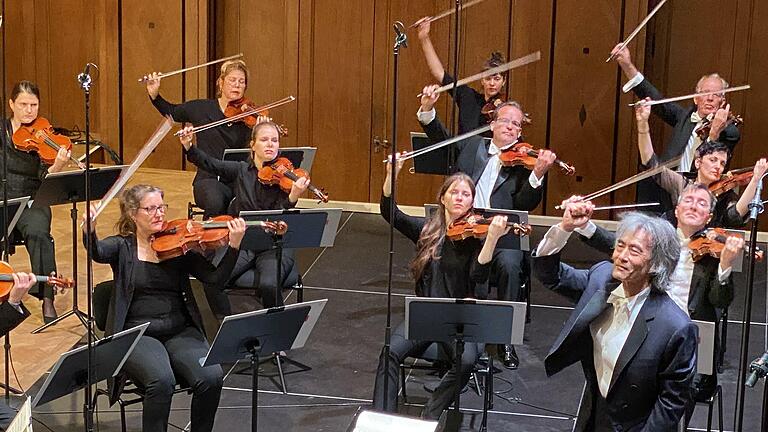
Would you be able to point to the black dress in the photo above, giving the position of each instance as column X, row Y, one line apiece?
column 456, row 274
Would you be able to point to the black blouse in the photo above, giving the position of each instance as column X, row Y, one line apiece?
column 470, row 103
column 212, row 141
column 456, row 274
column 158, row 298
column 250, row 193
column 25, row 170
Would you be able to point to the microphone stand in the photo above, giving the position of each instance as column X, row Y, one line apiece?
column 400, row 40
column 755, row 208
column 6, row 138
column 88, row 407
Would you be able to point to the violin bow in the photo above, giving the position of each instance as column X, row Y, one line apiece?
column 630, row 180
column 690, row 96
column 441, row 144
column 244, row 114
column 160, row 133
column 186, row 69
column 446, row 13
column 516, row 63
column 636, row 30
column 625, row 206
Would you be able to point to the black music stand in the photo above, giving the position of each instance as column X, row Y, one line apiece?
column 70, row 373
column 307, row 228
column 68, row 187
column 300, row 157
column 460, row 321
column 435, row 162
column 250, row 334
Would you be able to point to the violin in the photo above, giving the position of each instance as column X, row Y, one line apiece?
column 6, row 280
column 281, row 172
column 180, row 236
column 523, row 154
column 239, row 106
column 38, row 137
column 476, row 226
column 706, row 124
column 731, row 180
column 712, row 244
column 490, row 107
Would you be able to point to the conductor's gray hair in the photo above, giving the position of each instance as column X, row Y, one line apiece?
column 665, row 247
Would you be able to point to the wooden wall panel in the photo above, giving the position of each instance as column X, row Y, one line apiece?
column 583, row 99
column 152, row 41
column 414, row 189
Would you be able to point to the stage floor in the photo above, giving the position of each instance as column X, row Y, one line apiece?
column 343, row 350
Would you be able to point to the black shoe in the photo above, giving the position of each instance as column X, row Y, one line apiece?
column 509, row 356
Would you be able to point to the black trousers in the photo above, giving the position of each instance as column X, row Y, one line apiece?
column 506, row 271
column 34, row 226
column 255, row 270
column 444, row 394
column 212, row 196
column 154, row 366
column 7, row 414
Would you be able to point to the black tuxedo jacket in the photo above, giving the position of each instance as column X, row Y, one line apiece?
column 650, row 385
column 679, row 117
column 512, row 189
column 706, row 294
column 10, row 317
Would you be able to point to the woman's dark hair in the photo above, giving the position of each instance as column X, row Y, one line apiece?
column 709, row 147
column 496, row 59
column 433, row 233
column 25, row 87
column 130, row 200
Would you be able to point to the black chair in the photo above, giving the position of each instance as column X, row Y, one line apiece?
column 102, row 294
column 437, row 360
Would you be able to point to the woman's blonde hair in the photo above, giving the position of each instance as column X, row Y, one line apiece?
column 130, row 200
column 228, row 67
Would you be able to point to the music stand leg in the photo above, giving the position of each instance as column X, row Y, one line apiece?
column 488, row 396
column 75, row 308
column 453, row 420
column 255, row 387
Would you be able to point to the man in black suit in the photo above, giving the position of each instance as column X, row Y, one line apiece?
column 701, row 288
column 636, row 347
column 514, row 188
column 12, row 313
column 685, row 121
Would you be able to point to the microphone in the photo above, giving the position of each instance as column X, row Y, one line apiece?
column 756, row 206
column 401, row 38
column 757, row 369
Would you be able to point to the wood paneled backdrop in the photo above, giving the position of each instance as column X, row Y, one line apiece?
column 336, row 58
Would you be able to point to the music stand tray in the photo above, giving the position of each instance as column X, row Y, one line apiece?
column 508, row 241
column 68, row 187
column 251, row 334
column 300, row 157
column 70, row 373
column 463, row 321
column 307, row 228
column 15, row 207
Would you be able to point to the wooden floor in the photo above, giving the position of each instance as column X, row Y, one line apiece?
column 34, row 354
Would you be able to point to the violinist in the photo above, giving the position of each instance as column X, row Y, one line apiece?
column 12, row 313
column 441, row 268
column 148, row 290
column 685, row 120
column 212, row 195
column 471, row 103
column 252, row 194
column 512, row 188
column 25, row 175
column 699, row 288
column 711, row 159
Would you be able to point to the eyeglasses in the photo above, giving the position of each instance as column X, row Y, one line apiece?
column 509, row 121
column 152, row 210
